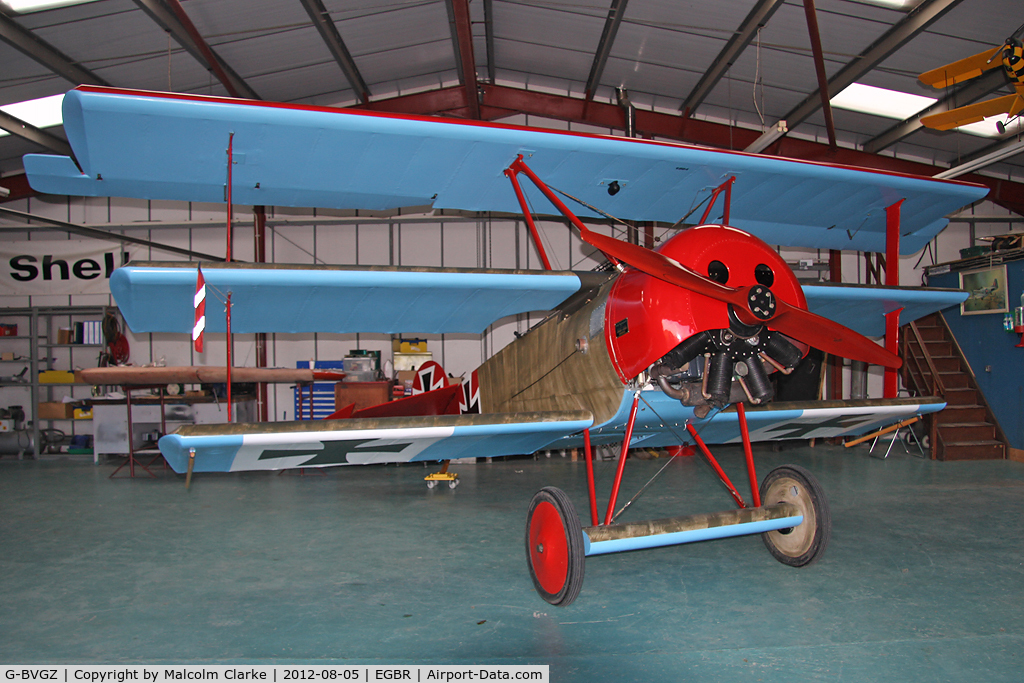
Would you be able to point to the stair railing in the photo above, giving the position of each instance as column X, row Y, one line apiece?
column 930, row 382
column 931, row 379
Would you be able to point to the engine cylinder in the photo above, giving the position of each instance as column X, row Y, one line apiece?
column 758, row 383
column 687, row 350
column 719, row 374
column 782, row 350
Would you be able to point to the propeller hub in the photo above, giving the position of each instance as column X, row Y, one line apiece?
column 761, row 302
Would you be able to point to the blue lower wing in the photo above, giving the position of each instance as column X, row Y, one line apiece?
column 277, row 446
column 661, row 421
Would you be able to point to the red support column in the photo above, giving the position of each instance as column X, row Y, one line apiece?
column 748, row 454
column 231, row 143
column 588, row 451
column 622, row 459
column 835, row 268
column 230, row 237
column 227, row 314
column 518, row 166
column 727, row 188
column 715, row 466
column 528, row 216
column 260, row 256
column 890, row 383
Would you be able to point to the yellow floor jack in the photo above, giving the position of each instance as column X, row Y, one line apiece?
column 444, row 475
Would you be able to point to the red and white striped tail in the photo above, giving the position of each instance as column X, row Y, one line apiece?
column 200, row 305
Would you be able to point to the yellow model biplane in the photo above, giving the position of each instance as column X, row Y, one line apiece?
column 1009, row 55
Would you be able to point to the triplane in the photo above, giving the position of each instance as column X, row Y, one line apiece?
column 656, row 348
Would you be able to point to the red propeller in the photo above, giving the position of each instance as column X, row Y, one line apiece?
column 753, row 305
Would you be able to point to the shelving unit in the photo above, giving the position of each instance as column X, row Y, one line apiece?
column 42, row 352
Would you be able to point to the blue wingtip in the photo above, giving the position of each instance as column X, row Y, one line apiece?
column 53, row 174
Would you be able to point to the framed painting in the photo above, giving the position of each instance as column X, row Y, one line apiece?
column 986, row 289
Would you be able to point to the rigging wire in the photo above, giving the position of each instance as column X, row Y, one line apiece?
column 757, row 78
column 643, row 489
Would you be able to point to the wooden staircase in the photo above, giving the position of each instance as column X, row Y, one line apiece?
column 933, row 365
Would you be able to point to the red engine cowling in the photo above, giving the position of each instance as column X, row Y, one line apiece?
column 647, row 317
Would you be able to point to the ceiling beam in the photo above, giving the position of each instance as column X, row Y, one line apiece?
column 96, row 233
column 604, row 46
column 1000, row 151
column 757, row 18
column 969, row 92
column 329, row 32
column 489, row 37
column 916, row 21
column 819, row 69
column 171, row 17
column 462, row 41
column 38, row 49
column 16, row 187
column 27, row 131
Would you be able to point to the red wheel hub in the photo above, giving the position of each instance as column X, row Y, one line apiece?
column 549, row 551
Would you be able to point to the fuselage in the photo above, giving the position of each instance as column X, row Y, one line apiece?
column 580, row 359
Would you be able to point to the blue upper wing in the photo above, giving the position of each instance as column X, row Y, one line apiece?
column 164, row 146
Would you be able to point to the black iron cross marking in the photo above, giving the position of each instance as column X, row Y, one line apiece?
column 334, row 452
column 799, row 429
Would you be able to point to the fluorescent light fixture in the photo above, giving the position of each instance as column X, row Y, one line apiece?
column 1006, row 149
column 904, row 5
column 44, row 112
column 26, row 6
column 891, row 104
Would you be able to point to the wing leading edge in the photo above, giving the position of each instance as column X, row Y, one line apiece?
column 171, row 146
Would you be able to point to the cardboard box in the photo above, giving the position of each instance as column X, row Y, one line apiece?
column 54, row 410
column 409, row 345
column 56, row 377
column 362, row 394
column 7, row 355
column 64, row 335
column 411, row 361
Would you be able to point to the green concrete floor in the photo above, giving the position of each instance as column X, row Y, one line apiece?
column 923, row 580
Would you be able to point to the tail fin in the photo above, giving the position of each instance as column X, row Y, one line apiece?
column 430, row 376
column 470, row 400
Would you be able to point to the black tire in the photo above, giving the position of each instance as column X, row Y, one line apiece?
column 805, row 543
column 554, row 547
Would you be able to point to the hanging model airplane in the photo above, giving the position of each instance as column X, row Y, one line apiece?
column 1009, row 56
column 669, row 346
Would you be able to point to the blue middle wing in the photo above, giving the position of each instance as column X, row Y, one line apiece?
column 158, row 297
column 862, row 308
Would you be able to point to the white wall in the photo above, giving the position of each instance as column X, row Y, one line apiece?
column 451, row 241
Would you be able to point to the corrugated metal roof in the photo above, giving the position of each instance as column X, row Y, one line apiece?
column 660, row 52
